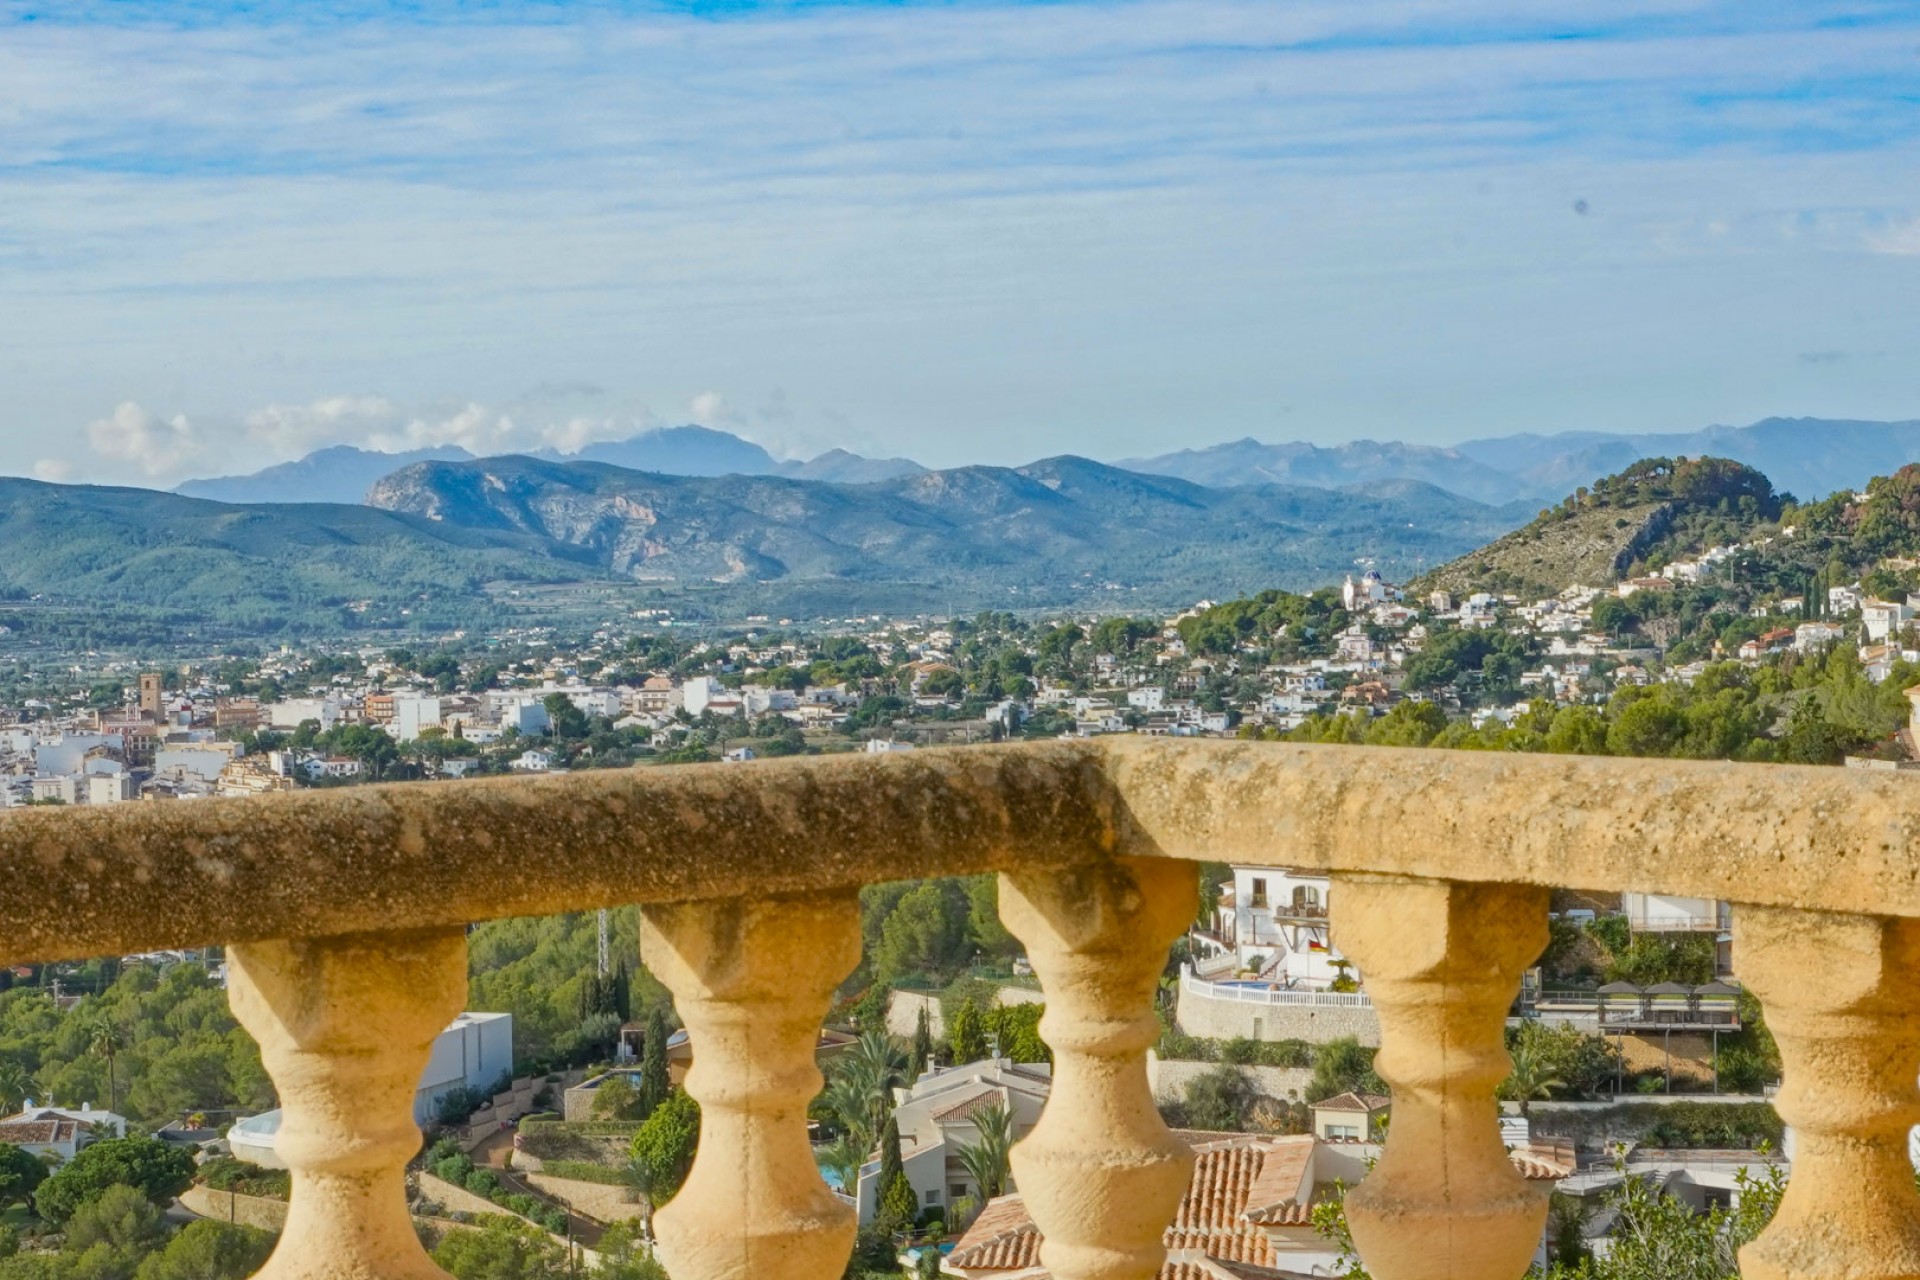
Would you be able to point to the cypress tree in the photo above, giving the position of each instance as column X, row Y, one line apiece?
column 654, row 1082
column 922, row 1045
column 897, row 1205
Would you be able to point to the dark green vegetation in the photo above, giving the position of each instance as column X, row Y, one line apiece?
column 1806, row 709
column 154, row 1047
column 253, row 569
column 544, row 971
column 504, row 1248
column 157, row 1170
column 447, row 1162
column 120, row 1233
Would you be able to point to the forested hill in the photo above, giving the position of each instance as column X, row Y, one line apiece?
column 1653, row 512
column 1058, row 531
column 442, row 543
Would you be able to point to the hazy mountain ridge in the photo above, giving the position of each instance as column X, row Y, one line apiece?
column 341, row 473
column 1248, row 461
column 344, row 473
column 1807, row 457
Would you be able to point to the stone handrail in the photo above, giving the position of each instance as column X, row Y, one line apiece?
column 344, row 914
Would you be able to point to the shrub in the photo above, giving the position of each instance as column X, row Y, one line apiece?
column 159, row 1170
column 482, row 1183
column 224, row 1173
column 584, row 1171
column 1715, row 1125
column 1744, row 1070
column 456, row 1168
column 1221, row 1099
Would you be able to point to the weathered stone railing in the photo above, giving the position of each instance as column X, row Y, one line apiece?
column 343, row 912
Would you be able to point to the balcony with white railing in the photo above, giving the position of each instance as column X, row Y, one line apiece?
column 344, row 912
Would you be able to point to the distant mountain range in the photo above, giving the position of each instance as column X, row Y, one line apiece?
column 449, row 543
column 1807, row 457
column 1244, row 462
column 344, row 473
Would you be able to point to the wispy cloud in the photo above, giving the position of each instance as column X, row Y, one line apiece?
column 1900, row 238
column 944, row 229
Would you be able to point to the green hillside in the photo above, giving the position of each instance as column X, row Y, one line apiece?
column 1655, row 511
column 252, row 567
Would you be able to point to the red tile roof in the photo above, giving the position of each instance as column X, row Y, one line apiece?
column 1002, row 1238
column 1241, row 1183
column 22, row 1132
column 967, row 1108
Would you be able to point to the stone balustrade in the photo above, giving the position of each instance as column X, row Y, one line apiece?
column 343, row 911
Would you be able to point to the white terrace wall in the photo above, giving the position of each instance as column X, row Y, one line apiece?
column 1228, row 1013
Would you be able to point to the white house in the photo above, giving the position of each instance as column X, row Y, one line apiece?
column 533, row 760
column 937, row 1118
column 60, row 1132
column 413, row 712
column 1884, row 619
column 1278, row 918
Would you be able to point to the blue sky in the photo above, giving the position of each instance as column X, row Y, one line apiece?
column 230, row 233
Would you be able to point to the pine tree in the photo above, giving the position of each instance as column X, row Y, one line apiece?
column 654, row 1084
column 922, row 1045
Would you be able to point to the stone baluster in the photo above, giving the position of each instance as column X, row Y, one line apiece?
column 1842, row 1004
column 1100, row 1173
column 753, row 978
column 345, row 1026
column 1442, row 962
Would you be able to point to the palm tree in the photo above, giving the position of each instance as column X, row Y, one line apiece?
column 1532, row 1071
column 843, row 1157
column 986, row 1161
column 864, row 1078
column 14, row 1083
column 105, row 1039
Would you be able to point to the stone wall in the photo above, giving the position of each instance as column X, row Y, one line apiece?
column 1215, row 1019
column 225, row 1206
column 1170, row 1077
column 596, row 1200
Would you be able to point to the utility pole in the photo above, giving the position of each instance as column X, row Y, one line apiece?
column 604, row 966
